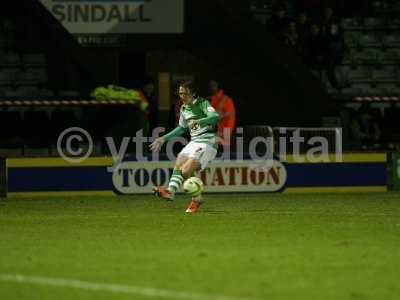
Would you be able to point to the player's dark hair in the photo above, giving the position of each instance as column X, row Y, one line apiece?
column 190, row 85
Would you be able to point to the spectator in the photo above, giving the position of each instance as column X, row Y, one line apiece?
column 327, row 20
column 303, row 31
column 310, row 6
column 322, row 52
column 291, row 37
column 278, row 23
column 334, row 40
column 369, row 126
column 315, row 49
column 364, row 129
column 333, row 36
column 224, row 105
column 355, row 135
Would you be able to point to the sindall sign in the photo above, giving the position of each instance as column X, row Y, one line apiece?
column 221, row 176
column 118, row 16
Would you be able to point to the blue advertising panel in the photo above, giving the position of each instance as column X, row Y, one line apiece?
column 357, row 172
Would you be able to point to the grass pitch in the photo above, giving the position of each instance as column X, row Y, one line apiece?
column 274, row 246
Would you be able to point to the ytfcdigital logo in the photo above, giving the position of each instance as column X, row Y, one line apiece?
column 75, row 145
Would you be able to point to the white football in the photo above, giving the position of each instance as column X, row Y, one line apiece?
column 193, row 186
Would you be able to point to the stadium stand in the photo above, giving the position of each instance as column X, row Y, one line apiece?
column 374, row 56
column 369, row 70
column 39, row 90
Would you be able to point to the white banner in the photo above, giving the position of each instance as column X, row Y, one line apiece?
column 220, row 176
column 119, row 16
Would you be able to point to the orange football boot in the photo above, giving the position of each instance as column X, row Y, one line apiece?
column 193, row 206
column 163, row 192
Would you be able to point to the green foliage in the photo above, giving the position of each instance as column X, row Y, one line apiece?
column 113, row 92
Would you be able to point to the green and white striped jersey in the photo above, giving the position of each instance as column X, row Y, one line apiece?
column 196, row 110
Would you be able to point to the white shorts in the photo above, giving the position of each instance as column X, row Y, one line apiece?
column 202, row 152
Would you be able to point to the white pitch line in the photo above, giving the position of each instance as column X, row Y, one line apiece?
column 113, row 288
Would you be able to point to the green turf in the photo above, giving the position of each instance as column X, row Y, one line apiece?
column 313, row 246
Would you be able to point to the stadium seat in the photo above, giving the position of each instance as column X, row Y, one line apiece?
column 395, row 91
column 26, row 77
column 351, row 24
column 362, row 89
column 351, row 39
column 377, row 90
column 68, row 94
column 347, row 23
column 391, row 40
column 5, row 78
column 390, row 57
column 46, row 93
column 348, row 91
column 39, row 74
column 10, row 92
column 19, row 76
column 331, row 90
column 384, row 74
column 3, row 42
column 370, row 40
column 11, row 59
column 360, row 74
column 372, row 23
column 369, row 56
column 34, row 60
column 388, row 88
column 349, row 56
column 342, row 75
column 27, row 91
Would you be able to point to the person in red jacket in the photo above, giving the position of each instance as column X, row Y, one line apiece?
column 225, row 107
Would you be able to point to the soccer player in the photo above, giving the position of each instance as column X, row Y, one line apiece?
column 201, row 119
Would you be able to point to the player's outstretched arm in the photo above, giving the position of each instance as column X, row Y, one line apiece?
column 211, row 119
column 157, row 144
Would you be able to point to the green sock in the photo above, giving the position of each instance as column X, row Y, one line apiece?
column 175, row 182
